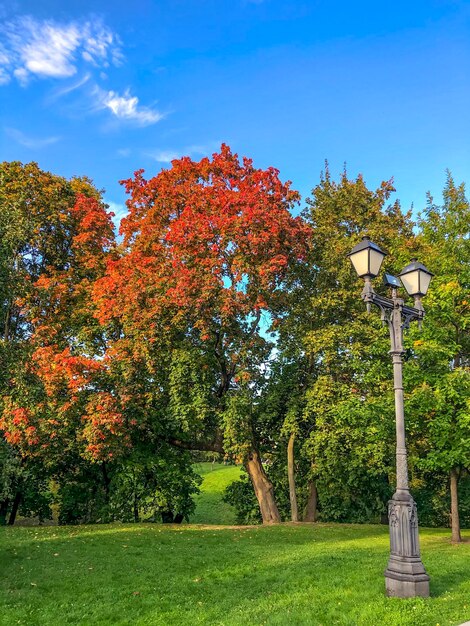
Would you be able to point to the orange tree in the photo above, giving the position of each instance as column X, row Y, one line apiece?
column 206, row 255
column 54, row 237
column 53, row 233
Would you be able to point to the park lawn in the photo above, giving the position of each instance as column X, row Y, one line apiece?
column 183, row 575
column 210, row 509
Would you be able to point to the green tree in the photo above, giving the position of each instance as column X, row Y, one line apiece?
column 440, row 370
column 328, row 403
column 341, row 350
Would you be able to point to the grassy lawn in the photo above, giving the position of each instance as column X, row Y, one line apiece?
column 209, row 506
column 149, row 574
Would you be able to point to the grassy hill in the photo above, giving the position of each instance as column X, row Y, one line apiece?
column 151, row 575
column 209, row 506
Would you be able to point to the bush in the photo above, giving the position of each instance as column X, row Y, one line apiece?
column 241, row 496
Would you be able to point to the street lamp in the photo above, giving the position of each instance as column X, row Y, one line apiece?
column 405, row 576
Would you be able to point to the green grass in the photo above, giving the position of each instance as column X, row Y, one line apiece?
column 209, row 506
column 164, row 576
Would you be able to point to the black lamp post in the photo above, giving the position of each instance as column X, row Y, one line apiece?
column 405, row 575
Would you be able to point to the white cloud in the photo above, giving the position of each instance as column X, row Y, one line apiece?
column 49, row 50
column 4, row 56
column 164, row 156
column 4, row 77
column 78, row 50
column 30, row 142
column 167, row 156
column 126, row 107
column 45, row 48
column 99, row 43
column 119, row 210
column 21, row 75
column 4, row 63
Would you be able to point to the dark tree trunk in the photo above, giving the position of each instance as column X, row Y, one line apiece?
column 178, row 518
column 136, row 509
column 106, row 481
column 311, row 513
column 263, row 489
column 4, row 504
column 167, row 517
column 454, row 506
column 14, row 508
column 291, row 476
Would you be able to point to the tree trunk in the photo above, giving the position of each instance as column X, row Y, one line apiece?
column 310, row 514
column 263, row 489
column 3, row 511
column 291, row 475
column 136, row 509
column 14, row 508
column 454, row 506
column 106, row 481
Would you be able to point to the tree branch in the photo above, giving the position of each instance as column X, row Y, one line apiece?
column 202, row 446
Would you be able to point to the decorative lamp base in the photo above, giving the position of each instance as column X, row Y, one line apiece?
column 405, row 576
column 396, row 588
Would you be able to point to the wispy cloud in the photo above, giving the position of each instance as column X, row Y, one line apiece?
column 78, row 52
column 4, row 62
column 49, row 49
column 119, row 210
column 72, row 86
column 126, row 107
column 167, row 156
column 30, row 142
column 163, row 156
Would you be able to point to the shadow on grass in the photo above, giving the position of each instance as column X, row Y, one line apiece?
column 321, row 574
column 231, row 574
column 447, row 564
column 298, row 533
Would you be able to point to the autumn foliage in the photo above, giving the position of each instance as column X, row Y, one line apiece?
column 61, row 251
column 213, row 238
column 206, row 248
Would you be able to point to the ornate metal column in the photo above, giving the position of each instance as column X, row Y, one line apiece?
column 405, row 575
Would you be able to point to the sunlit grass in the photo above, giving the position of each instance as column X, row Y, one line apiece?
column 158, row 575
column 210, row 509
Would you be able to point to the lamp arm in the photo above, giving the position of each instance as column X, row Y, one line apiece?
column 387, row 305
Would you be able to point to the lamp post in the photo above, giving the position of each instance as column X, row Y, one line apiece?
column 405, row 575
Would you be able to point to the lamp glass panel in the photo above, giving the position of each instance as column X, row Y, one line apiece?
column 360, row 261
column 376, row 259
column 424, row 281
column 411, row 282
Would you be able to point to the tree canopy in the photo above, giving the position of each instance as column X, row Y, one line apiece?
column 223, row 321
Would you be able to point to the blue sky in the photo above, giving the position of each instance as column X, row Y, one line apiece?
column 103, row 88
